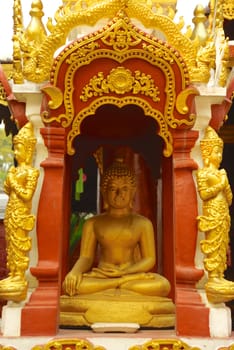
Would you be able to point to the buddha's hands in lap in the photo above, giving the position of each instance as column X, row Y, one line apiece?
column 123, row 272
column 71, row 283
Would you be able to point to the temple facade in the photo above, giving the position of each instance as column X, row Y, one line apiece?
column 122, row 76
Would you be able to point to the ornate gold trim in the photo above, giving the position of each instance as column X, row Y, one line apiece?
column 121, row 102
column 65, row 344
column 163, row 344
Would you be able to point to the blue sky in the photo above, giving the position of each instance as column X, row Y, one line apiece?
column 184, row 7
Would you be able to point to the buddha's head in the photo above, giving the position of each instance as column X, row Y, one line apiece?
column 24, row 144
column 211, row 147
column 118, row 185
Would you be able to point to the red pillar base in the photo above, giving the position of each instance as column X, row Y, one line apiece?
column 192, row 316
column 40, row 315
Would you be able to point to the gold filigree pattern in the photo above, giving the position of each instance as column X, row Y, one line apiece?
column 164, row 344
column 83, row 51
column 118, row 39
column 121, row 102
column 71, row 344
column 120, row 81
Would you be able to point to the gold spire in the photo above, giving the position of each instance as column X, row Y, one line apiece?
column 35, row 32
column 200, row 21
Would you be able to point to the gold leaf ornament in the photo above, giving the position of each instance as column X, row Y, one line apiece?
column 121, row 81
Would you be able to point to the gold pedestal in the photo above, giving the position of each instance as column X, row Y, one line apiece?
column 117, row 305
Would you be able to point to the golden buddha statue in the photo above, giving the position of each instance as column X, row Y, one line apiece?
column 20, row 185
column 215, row 191
column 124, row 242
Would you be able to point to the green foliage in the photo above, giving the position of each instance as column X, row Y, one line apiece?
column 6, row 156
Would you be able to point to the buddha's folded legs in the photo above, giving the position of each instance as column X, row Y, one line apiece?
column 157, row 286
column 142, row 283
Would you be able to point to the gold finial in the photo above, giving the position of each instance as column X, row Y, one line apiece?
column 35, row 32
column 199, row 20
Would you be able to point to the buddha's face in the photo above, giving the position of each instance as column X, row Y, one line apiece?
column 119, row 193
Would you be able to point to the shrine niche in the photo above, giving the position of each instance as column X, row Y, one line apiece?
column 129, row 87
column 119, row 87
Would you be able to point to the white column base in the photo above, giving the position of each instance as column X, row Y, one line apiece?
column 11, row 319
column 220, row 321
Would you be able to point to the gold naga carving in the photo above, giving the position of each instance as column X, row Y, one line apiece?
column 163, row 344
column 20, row 185
column 36, row 56
column 121, row 80
column 215, row 192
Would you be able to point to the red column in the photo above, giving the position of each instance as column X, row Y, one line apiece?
column 192, row 317
column 3, row 269
column 40, row 314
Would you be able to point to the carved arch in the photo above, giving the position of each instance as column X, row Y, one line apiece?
column 120, row 65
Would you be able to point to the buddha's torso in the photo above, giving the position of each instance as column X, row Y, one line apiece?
column 117, row 237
